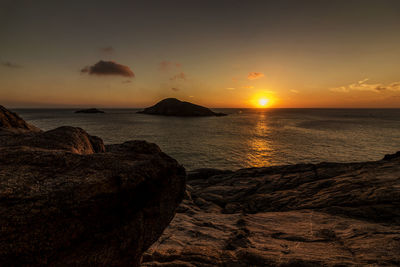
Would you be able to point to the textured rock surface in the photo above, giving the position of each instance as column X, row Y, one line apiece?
column 301, row 215
column 175, row 107
column 10, row 121
column 66, row 199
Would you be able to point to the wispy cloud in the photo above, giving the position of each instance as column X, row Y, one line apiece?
column 107, row 49
column 363, row 85
column 108, row 68
column 9, row 64
column 175, row 89
column 179, row 76
column 294, row 91
column 248, row 87
column 166, row 65
column 255, row 75
column 230, row 88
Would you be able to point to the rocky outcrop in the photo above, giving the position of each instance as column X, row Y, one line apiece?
column 175, row 107
column 301, row 215
column 10, row 121
column 68, row 200
column 89, row 110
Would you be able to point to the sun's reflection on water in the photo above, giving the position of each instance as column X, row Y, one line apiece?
column 259, row 152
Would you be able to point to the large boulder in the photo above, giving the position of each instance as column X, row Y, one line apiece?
column 66, row 199
column 175, row 107
column 297, row 215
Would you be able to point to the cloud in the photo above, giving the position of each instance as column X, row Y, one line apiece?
column 175, row 89
column 107, row 49
column 294, row 91
column 9, row 64
column 248, row 87
column 230, row 88
column 179, row 76
column 168, row 65
column 362, row 85
column 127, row 81
column 255, row 75
column 108, row 68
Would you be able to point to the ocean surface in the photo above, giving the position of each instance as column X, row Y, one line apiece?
column 245, row 138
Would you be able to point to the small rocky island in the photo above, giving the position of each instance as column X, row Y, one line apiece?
column 90, row 110
column 175, row 107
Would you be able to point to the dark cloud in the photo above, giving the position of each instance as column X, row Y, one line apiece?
column 127, row 81
column 167, row 65
column 108, row 49
column 255, row 75
column 175, row 89
column 9, row 64
column 108, row 68
column 179, row 76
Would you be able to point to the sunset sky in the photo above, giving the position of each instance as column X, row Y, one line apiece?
column 216, row 53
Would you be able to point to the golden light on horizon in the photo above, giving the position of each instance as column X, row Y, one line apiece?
column 263, row 102
column 263, row 99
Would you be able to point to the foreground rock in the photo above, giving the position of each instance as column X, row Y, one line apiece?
column 301, row 215
column 90, row 110
column 68, row 200
column 175, row 107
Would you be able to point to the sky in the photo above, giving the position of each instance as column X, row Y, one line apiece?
column 219, row 53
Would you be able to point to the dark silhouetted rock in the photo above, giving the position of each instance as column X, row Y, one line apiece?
column 175, row 107
column 68, row 200
column 392, row 156
column 297, row 215
column 89, row 110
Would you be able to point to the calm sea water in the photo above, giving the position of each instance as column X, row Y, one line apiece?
column 245, row 138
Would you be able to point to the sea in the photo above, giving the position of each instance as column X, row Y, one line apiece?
column 246, row 137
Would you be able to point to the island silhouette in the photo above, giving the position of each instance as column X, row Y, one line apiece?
column 89, row 110
column 175, row 107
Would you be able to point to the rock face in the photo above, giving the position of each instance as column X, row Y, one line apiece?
column 9, row 121
column 89, row 110
column 301, row 215
column 175, row 107
column 66, row 199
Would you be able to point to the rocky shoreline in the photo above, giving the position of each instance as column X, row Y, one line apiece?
column 68, row 199
column 297, row 215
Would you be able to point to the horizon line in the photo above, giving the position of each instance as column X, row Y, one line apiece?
column 85, row 107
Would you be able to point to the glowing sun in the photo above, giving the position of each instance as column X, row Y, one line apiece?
column 263, row 102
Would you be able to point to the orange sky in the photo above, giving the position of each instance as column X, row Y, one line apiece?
column 225, row 54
